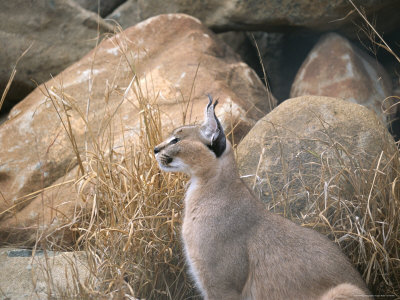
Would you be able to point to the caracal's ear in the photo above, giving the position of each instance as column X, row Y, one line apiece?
column 212, row 130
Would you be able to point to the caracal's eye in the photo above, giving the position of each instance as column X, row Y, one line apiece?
column 174, row 141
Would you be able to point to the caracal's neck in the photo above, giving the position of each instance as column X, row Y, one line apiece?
column 221, row 172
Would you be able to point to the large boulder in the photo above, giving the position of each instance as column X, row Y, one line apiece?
column 173, row 61
column 306, row 142
column 47, row 215
column 331, row 165
column 57, row 34
column 336, row 68
column 26, row 274
column 262, row 15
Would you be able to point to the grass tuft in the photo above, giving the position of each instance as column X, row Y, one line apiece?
column 129, row 228
column 354, row 199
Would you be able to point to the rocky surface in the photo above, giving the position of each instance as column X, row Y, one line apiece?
column 261, row 15
column 176, row 61
column 62, row 31
column 41, row 276
column 47, row 215
column 336, row 68
column 309, row 142
column 57, row 34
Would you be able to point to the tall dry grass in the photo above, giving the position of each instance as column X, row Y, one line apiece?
column 355, row 201
column 131, row 231
column 377, row 192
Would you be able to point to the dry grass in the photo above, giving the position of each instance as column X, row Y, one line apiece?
column 373, row 241
column 365, row 222
column 131, row 228
column 132, row 232
column 352, row 198
column 373, row 35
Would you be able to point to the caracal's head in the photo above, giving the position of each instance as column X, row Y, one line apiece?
column 194, row 149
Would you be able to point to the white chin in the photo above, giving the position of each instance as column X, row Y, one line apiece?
column 175, row 166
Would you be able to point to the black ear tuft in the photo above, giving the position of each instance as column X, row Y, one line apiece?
column 218, row 143
column 210, row 100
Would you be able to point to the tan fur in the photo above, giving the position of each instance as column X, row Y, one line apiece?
column 235, row 248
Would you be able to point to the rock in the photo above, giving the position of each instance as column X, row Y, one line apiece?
column 24, row 276
column 58, row 33
column 263, row 15
column 336, row 68
column 308, row 144
column 176, row 60
column 46, row 216
column 104, row 7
